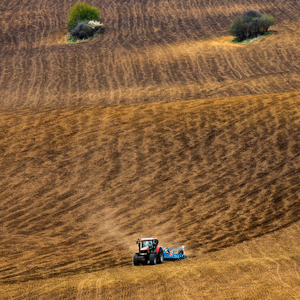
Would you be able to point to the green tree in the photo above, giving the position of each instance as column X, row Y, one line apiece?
column 265, row 22
column 250, row 24
column 238, row 29
column 82, row 12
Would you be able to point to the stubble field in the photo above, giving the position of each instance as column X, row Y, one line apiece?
column 103, row 142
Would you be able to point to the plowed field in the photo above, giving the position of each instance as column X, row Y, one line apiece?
column 151, row 51
column 103, row 142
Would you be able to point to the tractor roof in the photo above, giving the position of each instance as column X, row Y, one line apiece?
column 149, row 239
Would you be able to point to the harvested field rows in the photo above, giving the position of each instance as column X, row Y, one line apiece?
column 81, row 184
column 96, row 151
column 151, row 51
column 264, row 268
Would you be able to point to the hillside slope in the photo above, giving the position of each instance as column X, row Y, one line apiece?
column 79, row 185
column 96, row 151
column 151, row 51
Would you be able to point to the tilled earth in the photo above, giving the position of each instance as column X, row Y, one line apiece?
column 100, row 145
column 151, row 51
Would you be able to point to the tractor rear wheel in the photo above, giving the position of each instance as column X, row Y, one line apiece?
column 135, row 261
column 160, row 256
column 153, row 259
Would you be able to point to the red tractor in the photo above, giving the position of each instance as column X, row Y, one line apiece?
column 148, row 251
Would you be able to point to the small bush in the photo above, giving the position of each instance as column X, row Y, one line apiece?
column 250, row 25
column 82, row 31
column 82, row 12
column 85, row 29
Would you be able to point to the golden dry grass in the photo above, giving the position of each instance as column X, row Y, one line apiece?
column 264, row 268
column 96, row 152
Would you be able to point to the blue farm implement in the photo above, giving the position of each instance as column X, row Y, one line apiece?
column 174, row 253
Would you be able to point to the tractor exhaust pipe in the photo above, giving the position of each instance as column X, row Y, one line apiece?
column 138, row 242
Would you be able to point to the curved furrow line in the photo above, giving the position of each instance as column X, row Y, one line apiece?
column 11, row 37
column 87, row 62
column 61, row 78
column 192, row 20
column 233, row 69
column 179, row 23
column 150, row 33
column 50, row 85
column 166, row 70
column 120, row 74
column 3, row 81
column 193, row 66
column 141, row 76
column 253, row 64
column 292, row 59
column 208, row 59
column 54, row 22
column 187, row 69
column 68, row 59
column 277, row 58
column 203, row 68
column 95, row 80
column 242, row 62
column 148, row 66
column 140, row 29
column 134, row 26
column 35, row 40
column 277, row 266
column 41, row 81
column 109, row 11
column 33, row 82
column 111, row 78
column 42, row 12
column 128, row 69
column 21, row 71
column 106, row 85
column 13, row 82
column 285, row 60
column 103, row 83
column 76, row 78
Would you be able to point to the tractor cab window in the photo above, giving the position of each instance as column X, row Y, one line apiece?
column 147, row 244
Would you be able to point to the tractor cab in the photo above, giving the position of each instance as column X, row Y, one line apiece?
column 151, row 243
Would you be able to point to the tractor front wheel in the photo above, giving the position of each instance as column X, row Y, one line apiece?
column 153, row 259
column 135, row 261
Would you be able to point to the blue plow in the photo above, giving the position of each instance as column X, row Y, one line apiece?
column 176, row 254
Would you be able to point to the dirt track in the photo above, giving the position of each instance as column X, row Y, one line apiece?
column 95, row 151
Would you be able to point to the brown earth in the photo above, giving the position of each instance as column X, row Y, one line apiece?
column 96, row 152
column 151, row 51
column 80, row 184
